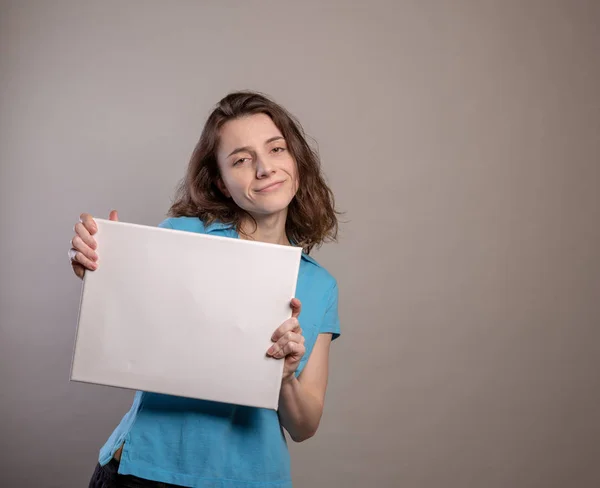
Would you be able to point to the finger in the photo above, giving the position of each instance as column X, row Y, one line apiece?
column 292, row 349
column 279, row 352
column 78, row 244
column 78, row 269
column 114, row 216
column 296, row 307
column 85, row 262
column 290, row 337
column 89, row 223
column 85, row 236
column 276, row 350
column 289, row 324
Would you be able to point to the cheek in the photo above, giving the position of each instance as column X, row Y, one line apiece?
column 236, row 182
column 294, row 173
column 290, row 167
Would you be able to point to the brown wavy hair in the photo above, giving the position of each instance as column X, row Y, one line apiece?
column 311, row 219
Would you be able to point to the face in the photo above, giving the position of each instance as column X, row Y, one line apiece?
column 257, row 170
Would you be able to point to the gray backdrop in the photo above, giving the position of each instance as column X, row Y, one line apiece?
column 462, row 140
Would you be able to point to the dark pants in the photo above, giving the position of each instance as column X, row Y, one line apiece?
column 107, row 477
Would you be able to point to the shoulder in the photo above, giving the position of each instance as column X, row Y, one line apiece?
column 191, row 224
column 318, row 273
column 194, row 224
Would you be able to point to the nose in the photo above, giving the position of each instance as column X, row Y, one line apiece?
column 264, row 167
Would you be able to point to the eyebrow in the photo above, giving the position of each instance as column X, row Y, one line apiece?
column 247, row 148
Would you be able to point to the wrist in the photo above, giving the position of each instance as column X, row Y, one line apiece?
column 289, row 381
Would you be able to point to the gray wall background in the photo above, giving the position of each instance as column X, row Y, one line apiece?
column 462, row 140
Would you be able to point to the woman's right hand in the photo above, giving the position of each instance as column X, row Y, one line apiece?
column 83, row 245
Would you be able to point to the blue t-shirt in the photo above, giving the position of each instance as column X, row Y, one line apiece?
column 205, row 444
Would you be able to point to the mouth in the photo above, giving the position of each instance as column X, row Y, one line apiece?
column 270, row 187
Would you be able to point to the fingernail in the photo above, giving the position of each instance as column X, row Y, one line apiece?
column 271, row 349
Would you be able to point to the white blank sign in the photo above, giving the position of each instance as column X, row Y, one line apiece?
column 184, row 314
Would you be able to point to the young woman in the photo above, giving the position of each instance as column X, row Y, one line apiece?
column 253, row 176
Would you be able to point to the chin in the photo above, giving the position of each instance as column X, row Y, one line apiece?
column 270, row 208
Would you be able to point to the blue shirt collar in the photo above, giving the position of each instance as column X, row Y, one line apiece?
column 217, row 226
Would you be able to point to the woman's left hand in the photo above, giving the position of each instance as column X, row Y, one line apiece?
column 289, row 342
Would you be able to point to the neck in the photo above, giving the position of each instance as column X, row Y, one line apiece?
column 269, row 228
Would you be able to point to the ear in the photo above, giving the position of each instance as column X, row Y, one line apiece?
column 221, row 186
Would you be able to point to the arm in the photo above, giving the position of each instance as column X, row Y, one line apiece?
column 301, row 399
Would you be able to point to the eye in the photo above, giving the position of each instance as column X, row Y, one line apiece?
column 278, row 149
column 240, row 161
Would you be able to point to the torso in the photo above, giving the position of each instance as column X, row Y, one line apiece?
column 117, row 455
column 232, row 443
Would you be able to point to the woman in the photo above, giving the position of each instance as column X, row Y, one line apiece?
column 252, row 176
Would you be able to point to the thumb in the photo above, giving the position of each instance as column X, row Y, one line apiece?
column 296, row 307
column 113, row 216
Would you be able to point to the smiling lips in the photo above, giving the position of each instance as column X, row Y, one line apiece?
column 271, row 187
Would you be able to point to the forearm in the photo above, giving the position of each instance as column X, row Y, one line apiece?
column 299, row 410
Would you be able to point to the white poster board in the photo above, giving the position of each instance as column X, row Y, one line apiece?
column 184, row 314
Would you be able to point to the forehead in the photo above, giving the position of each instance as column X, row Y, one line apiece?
column 250, row 130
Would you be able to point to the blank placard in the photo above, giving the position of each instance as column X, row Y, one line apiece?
column 184, row 314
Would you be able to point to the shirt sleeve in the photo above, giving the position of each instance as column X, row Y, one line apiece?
column 331, row 320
